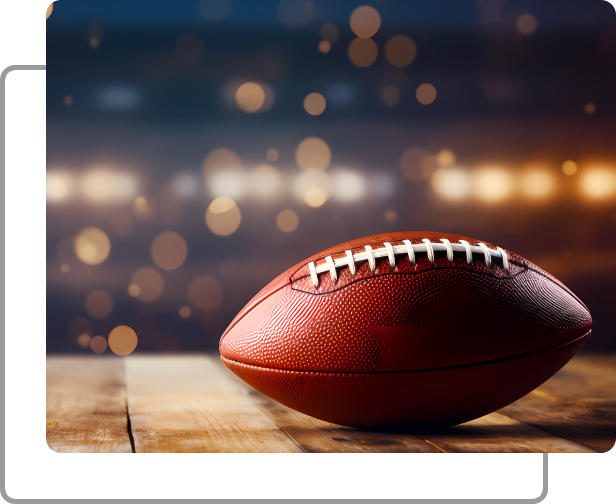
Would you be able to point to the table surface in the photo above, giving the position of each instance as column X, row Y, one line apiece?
column 192, row 403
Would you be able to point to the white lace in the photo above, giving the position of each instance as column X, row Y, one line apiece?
column 390, row 251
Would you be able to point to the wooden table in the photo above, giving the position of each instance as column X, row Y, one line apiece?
column 194, row 404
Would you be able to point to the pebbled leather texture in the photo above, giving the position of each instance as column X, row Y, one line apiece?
column 371, row 331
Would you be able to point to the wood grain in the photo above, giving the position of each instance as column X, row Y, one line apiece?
column 578, row 403
column 188, row 404
column 497, row 433
column 86, row 405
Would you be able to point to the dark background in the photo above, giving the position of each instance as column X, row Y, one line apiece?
column 136, row 107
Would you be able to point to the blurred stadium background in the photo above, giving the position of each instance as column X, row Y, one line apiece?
column 196, row 149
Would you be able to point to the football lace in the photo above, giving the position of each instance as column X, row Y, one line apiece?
column 407, row 248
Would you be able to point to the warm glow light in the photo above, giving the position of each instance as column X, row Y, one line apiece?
column 598, row 183
column 223, row 216
column 325, row 46
column 169, row 250
column 222, row 169
column 390, row 216
column 400, row 51
column 148, row 282
column 68, row 100
column 451, row 184
column 330, row 33
column 185, row 312
column 134, row 290
column 250, row 97
column 122, row 340
column 104, row 186
column 390, row 96
column 349, row 186
column 59, row 186
column 315, row 197
column 92, row 245
column 569, row 167
column 492, row 185
column 365, row 21
column 205, row 292
column 526, row 24
column 98, row 344
column 446, row 158
column 363, row 52
column 221, row 158
column 590, row 108
column 65, row 268
column 99, row 304
column 313, row 187
column 537, row 184
column 264, row 181
column 271, row 155
column 426, row 94
column 314, row 104
column 83, row 340
column 143, row 207
column 287, row 221
column 313, row 154
column 412, row 166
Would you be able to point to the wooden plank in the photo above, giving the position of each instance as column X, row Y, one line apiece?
column 578, row 403
column 497, row 433
column 317, row 436
column 188, row 404
column 86, row 405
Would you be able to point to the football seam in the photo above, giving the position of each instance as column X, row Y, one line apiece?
column 443, row 368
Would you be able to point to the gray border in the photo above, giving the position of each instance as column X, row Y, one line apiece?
column 22, row 115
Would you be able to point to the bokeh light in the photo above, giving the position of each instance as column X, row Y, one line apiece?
column 598, row 183
column 313, row 187
column 450, row 183
column 272, row 155
column 526, row 24
column 390, row 96
column 65, row 268
column 412, row 166
column 122, row 340
column 148, row 284
column 400, row 51
column 205, row 292
column 92, row 245
column 537, row 184
column 221, row 158
column 185, row 311
column 223, row 216
column 313, row 154
column 99, row 304
column 83, row 340
column 330, row 33
column 250, row 97
column 390, row 216
column 590, row 108
column 492, row 185
column 365, row 21
column 324, row 46
column 426, row 94
column 189, row 48
column 363, row 52
column 569, row 167
column 98, row 344
column 102, row 185
column 222, row 169
column 287, row 221
column 68, row 100
column 265, row 181
column 314, row 104
column 169, row 250
column 144, row 208
column 60, row 185
column 349, row 186
column 446, row 158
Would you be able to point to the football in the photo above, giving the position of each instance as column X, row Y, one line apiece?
column 420, row 328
